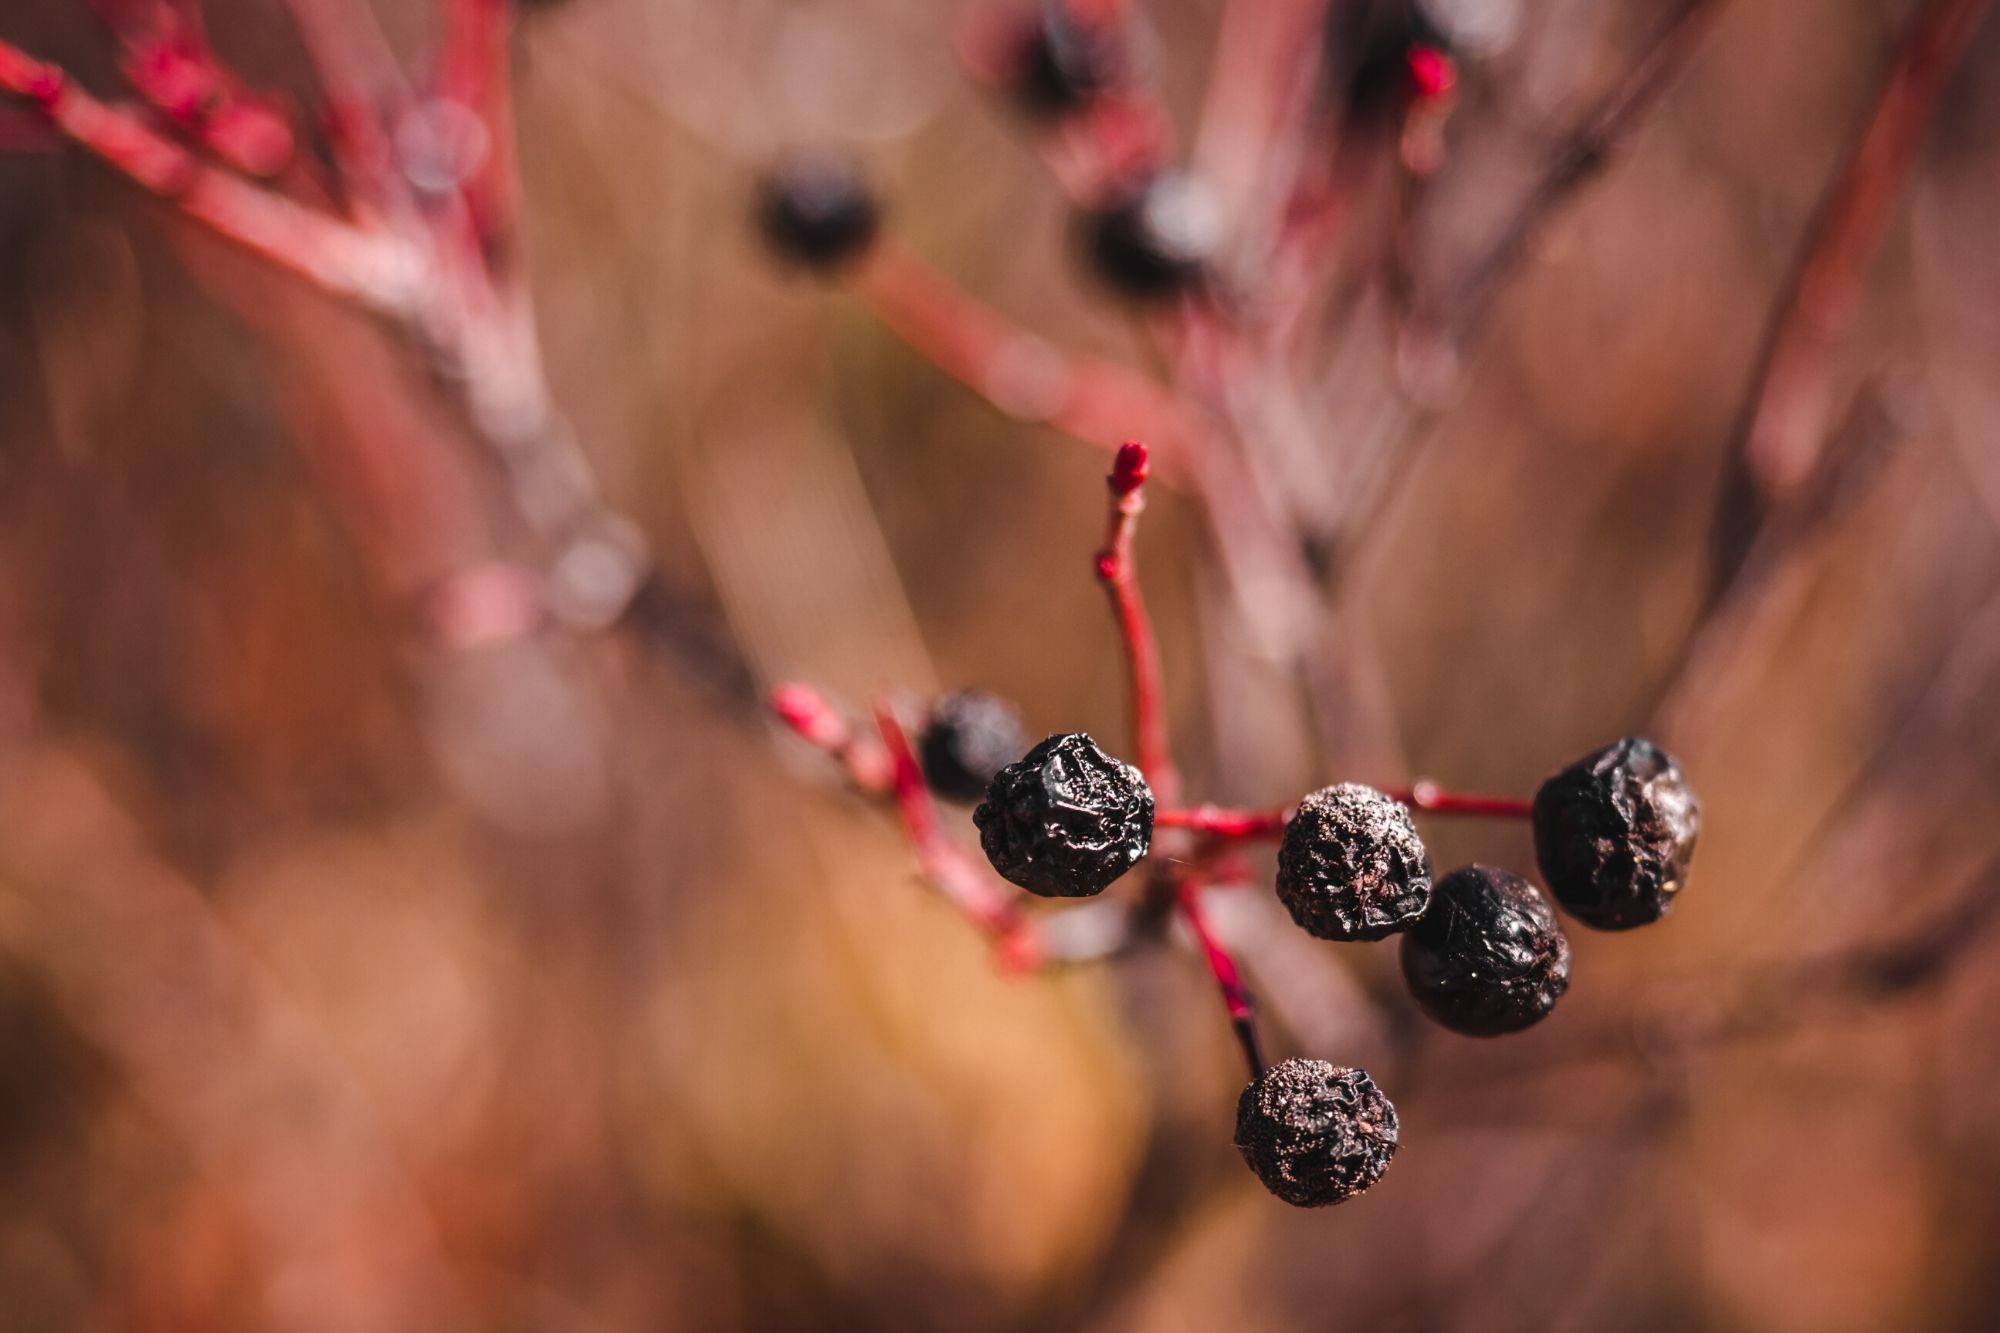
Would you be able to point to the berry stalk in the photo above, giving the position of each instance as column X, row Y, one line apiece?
column 1117, row 571
column 943, row 863
column 819, row 724
column 1239, row 825
column 1433, row 799
column 1228, row 977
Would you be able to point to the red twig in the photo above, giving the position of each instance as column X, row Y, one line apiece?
column 966, row 885
column 1233, row 825
column 1786, row 420
column 1218, row 822
column 1118, row 572
column 817, row 722
column 1228, row 978
column 1021, row 374
column 1432, row 799
column 362, row 265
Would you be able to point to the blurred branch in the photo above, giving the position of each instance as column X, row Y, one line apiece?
column 367, row 266
column 1780, row 432
column 1578, row 159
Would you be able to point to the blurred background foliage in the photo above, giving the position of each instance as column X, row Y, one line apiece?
column 349, row 983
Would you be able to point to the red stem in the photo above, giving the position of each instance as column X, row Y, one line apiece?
column 1021, row 374
column 1432, row 799
column 1117, row 571
column 966, row 885
column 1218, row 822
column 1228, row 978
column 817, row 722
column 347, row 261
column 1787, row 420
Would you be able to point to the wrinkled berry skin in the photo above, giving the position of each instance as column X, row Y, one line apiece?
column 967, row 739
column 1614, row 833
column 1314, row 1133
column 1155, row 241
column 1066, row 819
column 817, row 212
column 1351, row 866
column 1487, row 957
column 1062, row 62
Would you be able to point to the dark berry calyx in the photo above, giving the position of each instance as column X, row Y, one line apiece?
column 1487, row 956
column 1314, row 1133
column 1156, row 239
column 1062, row 61
column 1614, row 833
column 817, row 211
column 1351, row 866
column 968, row 737
column 1067, row 819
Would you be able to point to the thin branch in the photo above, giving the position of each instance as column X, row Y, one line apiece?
column 1238, row 825
column 1785, row 418
column 1021, row 374
column 1117, row 571
column 944, row 864
column 1228, row 977
column 365, row 266
column 1580, row 156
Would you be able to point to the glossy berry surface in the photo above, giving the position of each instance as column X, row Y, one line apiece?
column 817, row 211
column 1487, row 957
column 1314, row 1133
column 968, row 738
column 1061, row 62
column 1067, row 819
column 1156, row 240
column 1614, row 833
column 1351, row 866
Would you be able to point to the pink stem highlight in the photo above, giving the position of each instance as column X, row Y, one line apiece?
column 1217, row 822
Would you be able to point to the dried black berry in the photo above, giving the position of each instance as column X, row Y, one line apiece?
column 968, row 738
column 1155, row 240
column 1351, row 866
column 817, row 211
column 1067, row 819
column 1487, row 956
column 1063, row 61
column 1614, row 833
column 1315, row 1134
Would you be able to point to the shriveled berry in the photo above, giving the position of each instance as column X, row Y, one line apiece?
column 1614, row 833
column 967, row 739
column 1351, row 866
column 1314, row 1133
column 1063, row 61
column 817, row 211
column 1156, row 239
column 1487, row 956
column 1067, row 819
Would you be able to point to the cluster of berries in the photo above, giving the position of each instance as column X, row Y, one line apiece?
column 1482, row 952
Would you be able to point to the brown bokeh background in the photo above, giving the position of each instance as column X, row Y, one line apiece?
column 349, row 983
